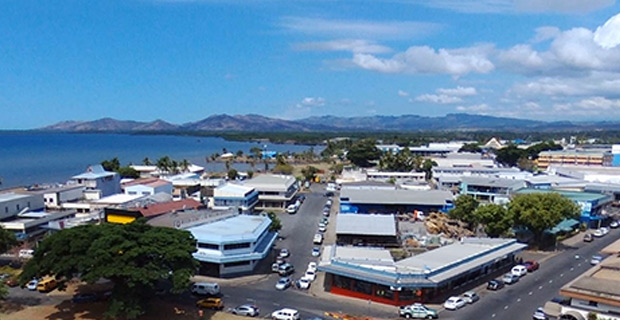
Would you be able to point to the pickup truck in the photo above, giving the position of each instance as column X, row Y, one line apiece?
column 417, row 311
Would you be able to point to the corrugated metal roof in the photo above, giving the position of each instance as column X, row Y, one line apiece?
column 401, row 196
column 366, row 224
column 494, row 182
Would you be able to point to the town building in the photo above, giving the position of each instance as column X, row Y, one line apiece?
column 592, row 204
column 147, row 171
column 492, row 190
column 13, row 203
column 392, row 201
column 274, row 191
column 394, row 176
column 615, row 155
column 464, row 160
column 367, row 230
column 56, row 196
column 127, row 214
column 147, row 186
column 240, row 197
column 232, row 245
column 30, row 225
column 597, row 158
column 372, row 274
column 98, row 183
column 586, row 173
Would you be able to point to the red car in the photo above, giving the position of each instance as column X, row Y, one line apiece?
column 531, row 265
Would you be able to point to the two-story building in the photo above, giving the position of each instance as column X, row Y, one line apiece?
column 233, row 245
column 98, row 183
column 493, row 190
column 147, row 186
column 240, row 197
column 274, row 191
column 392, row 200
column 13, row 203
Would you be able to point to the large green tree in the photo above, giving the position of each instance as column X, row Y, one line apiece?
column 276, row 224
column 7, row 241
column 541, row 211
column 309, row 173
column 471, row 147
column 496, row 219
column 135, row 257
column 509, row 156
column 464, row 208
column 403, row 161
column 363, row 152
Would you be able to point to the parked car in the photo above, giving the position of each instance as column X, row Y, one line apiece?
column 495, row 285
column 292, row 209
column 32, row 285
column 316, row 251
column 310, row 275
column 604, row 230
column 284, row 253
column 205, row 288
column 325, row 220
column 454, row 303
column 417, row 311
column 47, row 285
column 470, row 297
column 596, row 259
column 11, row 282
column 312, row 266
column 614, row 224
column 598, row 233
column 301, row 198
column 285, row 314
column 286, row 269
column 210, row 303
column 303, row 283
column 539, row 314
column 25, row 253
column 510, row 278
column 519, row 270
column 247, row 310
column 531, row 265
column 283, row 283
column 85, row 297
column 318, row 238
column 326, row 212
column 322, row 229
column 588, row 237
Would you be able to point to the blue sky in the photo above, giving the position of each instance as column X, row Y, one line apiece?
column 183, row 60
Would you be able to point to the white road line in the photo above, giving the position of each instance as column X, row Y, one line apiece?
column 579, row 264
column 276, row 304
column 561, row 275
column 493, row 315
column 539, row 288
column 550, row 281
column 505, row 307
column 529, row 294
column 571, row 269
column 519, row 300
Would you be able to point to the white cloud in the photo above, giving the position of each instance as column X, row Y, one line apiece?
column 589, row 106
column 562, row 6
column 312, row 102
column 355, row 46
column 424, row 59
column 403, row 93
column 359, row 29
column 458, row 91
column 608, row 35
column 476, row 108
column 438, row 98
column 597, row 83
column 545, row 33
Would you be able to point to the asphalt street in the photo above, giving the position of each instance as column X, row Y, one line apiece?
column 520, row 300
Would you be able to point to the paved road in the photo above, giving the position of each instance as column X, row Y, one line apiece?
column 519, row 301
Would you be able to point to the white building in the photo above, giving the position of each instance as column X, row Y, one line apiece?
column 55, row 197
column 587, row 173
column 230, row 195
column 147, row 186
column 98, row 183
column 13, row 203
column 233, row 245
column 274, row 191
column 468, row 160
column 32, row 224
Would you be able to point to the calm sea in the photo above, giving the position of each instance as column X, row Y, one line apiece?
column 35, row 158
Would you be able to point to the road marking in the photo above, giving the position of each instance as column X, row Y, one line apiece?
column 579, row 265
column 571, row 269
column 539, row 288
column 550, row 281
column 248, row 299
column 276, row 304
column 519, row 300
column 493, row 315
column 529, row 294
column 561, row 275
column 505, row 307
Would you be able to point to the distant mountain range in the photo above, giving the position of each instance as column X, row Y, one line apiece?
column 258, row 123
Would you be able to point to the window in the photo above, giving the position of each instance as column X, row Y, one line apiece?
column 6, row 209
column 234, row 246
column 342, row 282
column 593, row 303
column 384, row 292
column 236, row 264
column 17, row 207
column 362, row 287
column 211, row 246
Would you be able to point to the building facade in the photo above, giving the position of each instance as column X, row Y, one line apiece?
column 492, row 190
column 574, row 157
column 393, row 201
column 242, row 198
column 13, row 203
column 147, row 186
column 274, row 191
column 98, row 183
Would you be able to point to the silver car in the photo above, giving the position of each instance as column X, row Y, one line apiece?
column 245, row 310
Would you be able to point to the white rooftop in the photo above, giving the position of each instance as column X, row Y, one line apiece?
column 240, row 227
column 271, row 182
column 231, row 189
column 118, row 198
column 94, row 172
column 366, row 224
column 400, row 196
column 11, row 196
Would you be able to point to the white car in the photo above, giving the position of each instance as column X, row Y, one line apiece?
column 303, row 283
column 596, row 260
column 322, row 229
column 598, row 233
column 312, row 266
column 539, row 314
column 316, row 251
column 285, row 314
column 32, row 285
column 471, row 297
column 519, row 270
column 284, row 253
column 283, row 283
column 604, row 230
column 318, row 238
column 454, row 303
column 310, row 275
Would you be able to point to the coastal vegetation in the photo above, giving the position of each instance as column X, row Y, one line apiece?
column 115, row 165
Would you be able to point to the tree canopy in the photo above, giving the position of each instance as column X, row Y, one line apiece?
column 115, row 165
column 309, row 172
column 135, row 257
column 276, row 224
column 541, row 211
column 403, row 161
column 496, row 219
column 471, row 147
column 7, row 241
column 363, row 152
column 464, row 208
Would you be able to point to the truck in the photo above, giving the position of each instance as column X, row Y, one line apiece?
column 417, row 311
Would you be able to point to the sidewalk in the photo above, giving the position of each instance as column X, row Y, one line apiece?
column 238, row 281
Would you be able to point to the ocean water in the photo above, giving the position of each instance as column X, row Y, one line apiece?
column 37, row 158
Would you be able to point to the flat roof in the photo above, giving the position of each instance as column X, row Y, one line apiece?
column 399, row 196
column 551, row 179
column 573, row 195
column 94, row 172
column 271, row 182
column 231, row 229
column 600, row 283
column 12, row 196
column 494, row 182
column 366, row 224
column 231, row 189
column 118, row 198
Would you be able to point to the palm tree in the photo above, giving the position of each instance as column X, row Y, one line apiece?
column 146, row 161
column 163, row 164
column 184, row 165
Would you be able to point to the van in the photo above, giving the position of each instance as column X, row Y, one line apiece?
column 25, row 253
column 47, row 285
column 205, row 288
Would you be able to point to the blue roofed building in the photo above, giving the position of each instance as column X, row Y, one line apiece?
column 230, row 195
column 98, row 182
column 392, row 200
